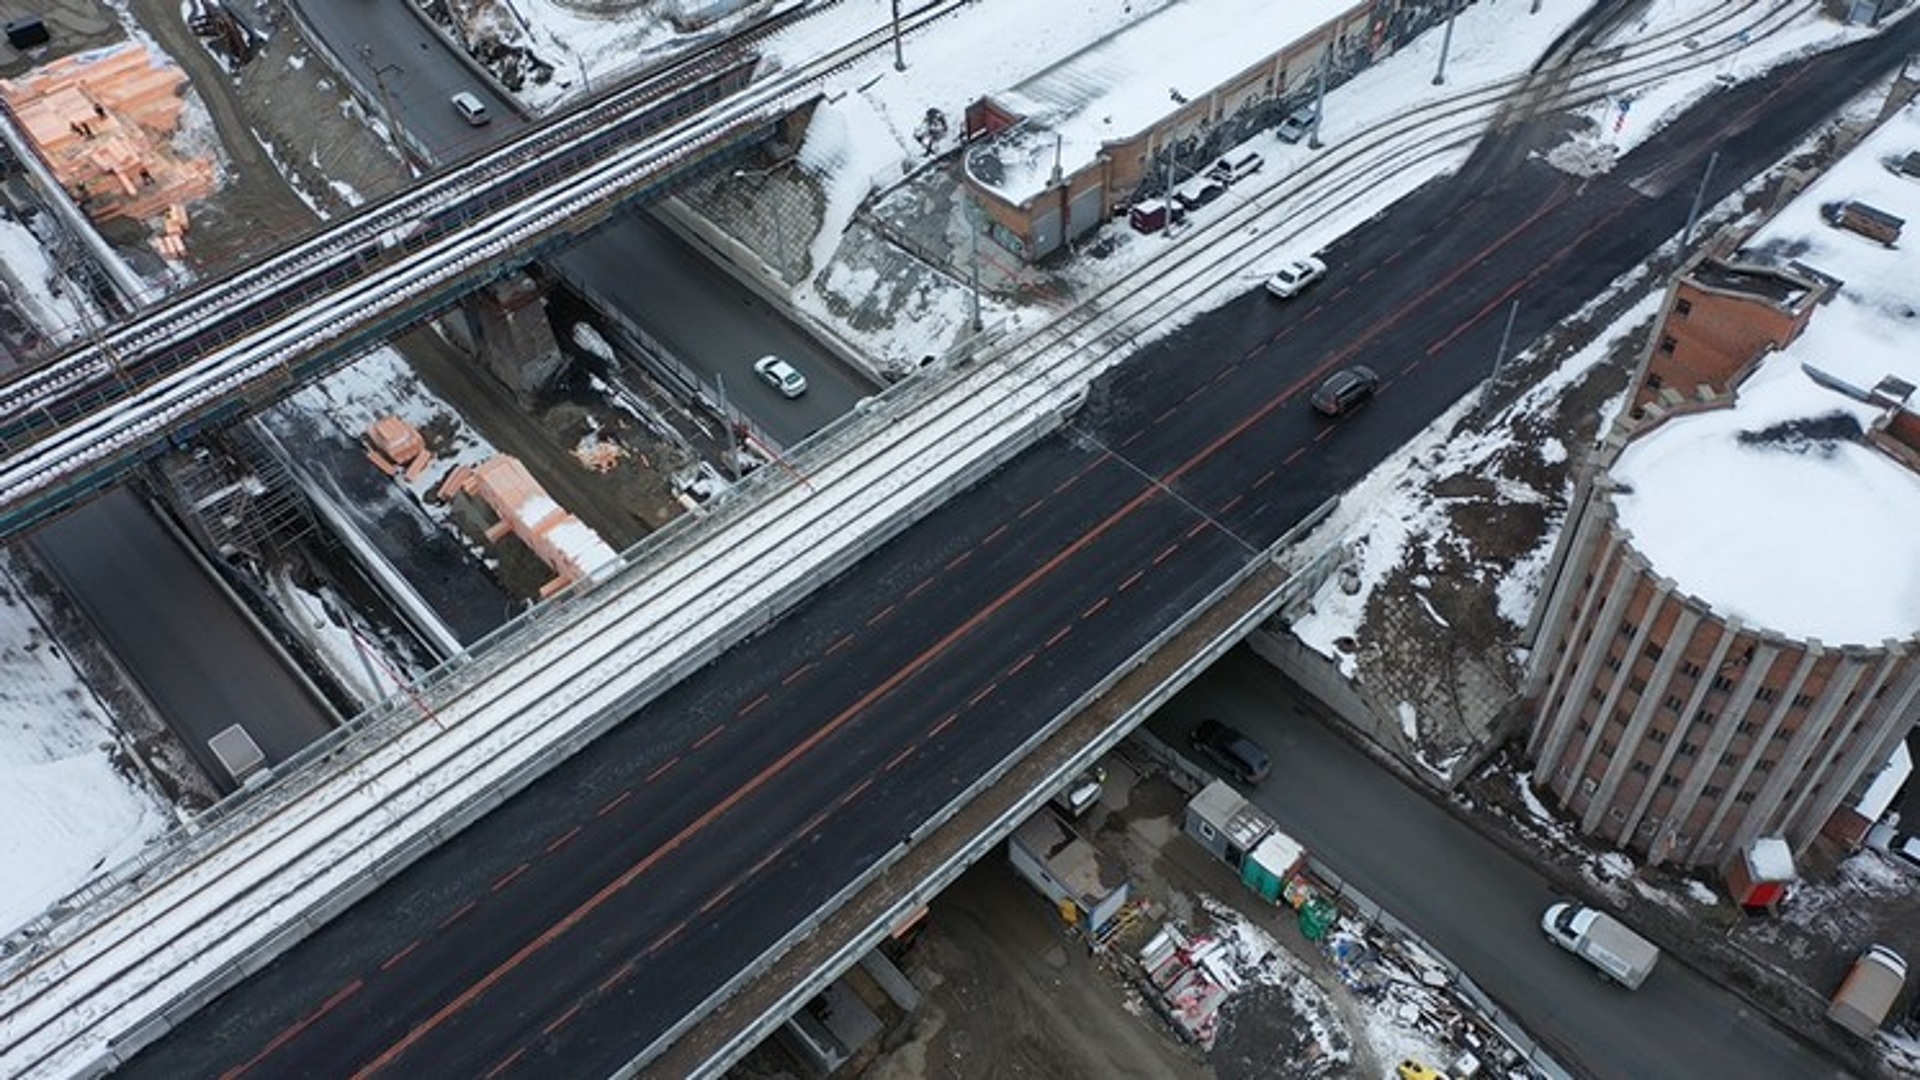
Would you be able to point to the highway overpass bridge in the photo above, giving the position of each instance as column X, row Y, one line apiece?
column 734, row 793
column 77, row 424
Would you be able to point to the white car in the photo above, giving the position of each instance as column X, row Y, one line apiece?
column 1296, row 275
column 780, row 375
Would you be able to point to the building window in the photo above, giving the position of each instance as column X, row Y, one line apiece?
column 1636, row 684
column 1612, row 662
column 1683, row 308
column 1803, row 701
column 1656, row 736
column 1688, row 749
column 1669, row 781
column 1642, row 768
column 1712, row 791
column 1668, row 344
column 1763, row 765
column 1743, row 798
column 1617, row 814
column 1768, row 694
column 1690, row 669
column 1674, row 703
column 1627, row 628
column 1704, row 716
column 1653, row 650
column 1722, row 683
column 1743, row 727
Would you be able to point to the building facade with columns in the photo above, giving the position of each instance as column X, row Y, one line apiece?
column 1728, row 648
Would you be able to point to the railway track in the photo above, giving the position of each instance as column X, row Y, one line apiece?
column 401, row 780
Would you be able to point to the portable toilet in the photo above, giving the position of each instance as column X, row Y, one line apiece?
column 1225, row 823
column 1272, row 861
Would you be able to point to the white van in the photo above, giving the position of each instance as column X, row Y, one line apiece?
column 470, row 108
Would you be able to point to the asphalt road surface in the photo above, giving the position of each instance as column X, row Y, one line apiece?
column 1475, row 902
column 387, row 48
column 568, row 929
column 712, row 325
column 196, row 658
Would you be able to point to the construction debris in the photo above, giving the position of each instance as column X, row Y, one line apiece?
column 394, row 445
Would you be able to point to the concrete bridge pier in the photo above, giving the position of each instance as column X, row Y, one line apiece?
column 505, row 327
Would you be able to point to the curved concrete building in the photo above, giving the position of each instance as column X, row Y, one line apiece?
column 1673, row 728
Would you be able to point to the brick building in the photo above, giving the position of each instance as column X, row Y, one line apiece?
column 1053, row 157
column 1729, row 647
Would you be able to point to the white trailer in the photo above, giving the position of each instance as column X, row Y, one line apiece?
column 1868, row 993
column 1600, row 939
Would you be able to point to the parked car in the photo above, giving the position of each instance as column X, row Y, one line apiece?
column 1241, row 757
column 780, row 375
column 1234, row 170
column 1345, row 389
column 1208, row 192
column 470, row 108
column 1904, row 850
column 1297, row 125
column 1410, row 1069
column 1287, row 281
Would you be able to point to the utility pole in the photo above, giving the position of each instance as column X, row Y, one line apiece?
column 1500, row 358
column 1699, row 197
column 726, row 419
column 1320, row 96
column 973, row 279
column 1446, row 42
column 899, row 55
column 398, row 136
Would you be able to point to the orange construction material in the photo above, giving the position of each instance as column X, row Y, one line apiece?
column 525, row 509
column 394, row 445
column 102, row 121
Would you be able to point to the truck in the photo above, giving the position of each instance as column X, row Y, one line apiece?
column 1868, row 992
column 1616, row 952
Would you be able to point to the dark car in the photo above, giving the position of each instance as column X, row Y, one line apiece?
column 1241, row 757
column 1344, row 389
column 1208, row 192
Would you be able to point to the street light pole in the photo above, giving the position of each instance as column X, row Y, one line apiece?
column 1699, row 196
column 899, row 55
column 1446, row 42
column 1320, row 96
column 398, row 136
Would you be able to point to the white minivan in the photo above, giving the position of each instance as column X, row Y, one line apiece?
column 470, row 108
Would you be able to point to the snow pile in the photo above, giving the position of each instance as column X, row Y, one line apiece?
column 69, row 809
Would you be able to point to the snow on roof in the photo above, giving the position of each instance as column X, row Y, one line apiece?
column 1886, row 784
column 1771, row 859
column 1774, row 511
column 1122, row 85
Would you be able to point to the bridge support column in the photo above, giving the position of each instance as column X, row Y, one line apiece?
column 505, row 327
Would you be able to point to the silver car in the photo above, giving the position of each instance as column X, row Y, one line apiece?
column 780, row 375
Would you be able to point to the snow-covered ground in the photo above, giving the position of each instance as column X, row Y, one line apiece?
column 71, row 803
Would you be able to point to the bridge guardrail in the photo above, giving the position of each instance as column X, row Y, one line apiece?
column 985, row 840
